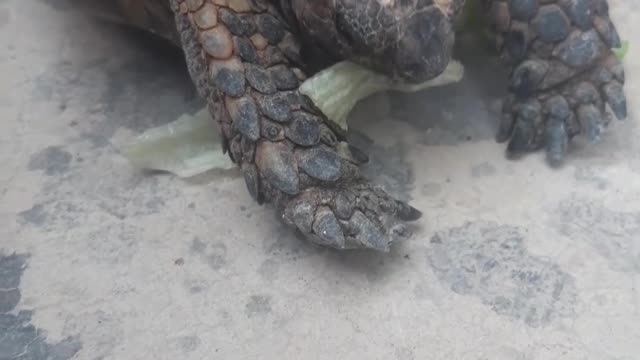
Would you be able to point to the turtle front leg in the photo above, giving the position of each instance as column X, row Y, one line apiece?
column 243, row 61
column 563, row 72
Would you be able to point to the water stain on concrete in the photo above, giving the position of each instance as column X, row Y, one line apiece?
column 431, row 189
column 155, row 203
column 103, row 328
column 20, row 339
column 590, row 176
column 54, row 214
column 53, row 160
column 404, row 353
column 612, row 233
column 197, row 246
column 258, row 305
column 490, row 261
column 196, row 289
column 114, row 243
column 268, row 270
column 189, row 343
column 214, row 253
column 36, row 215
column 217, row 256
column 483, row 170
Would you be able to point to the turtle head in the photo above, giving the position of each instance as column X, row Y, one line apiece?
column 411, row 40
column 423, row 48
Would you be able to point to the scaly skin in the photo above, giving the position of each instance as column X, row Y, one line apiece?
column 248, row 57
column 411, row 40
column 563, row 72
column 243, row 60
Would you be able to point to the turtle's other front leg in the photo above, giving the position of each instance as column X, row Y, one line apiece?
column 563, row 72
column 243, row 61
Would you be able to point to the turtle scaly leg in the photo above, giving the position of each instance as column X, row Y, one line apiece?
column 244, row 62
column 563, row 72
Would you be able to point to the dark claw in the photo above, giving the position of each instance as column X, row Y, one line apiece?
column 557, row 141
column 407, row 212
column 357, row 155
column 616, row 68
column 572, row 126
column 252, row 180
column 327, row 136
column 614, row 95
column 589, row 117
column 525, row 136
column 521, row 138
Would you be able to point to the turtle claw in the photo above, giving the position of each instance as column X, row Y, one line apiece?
column 556, row 140
column 550, row 118
column 365, row 234
column 356, row 216
column 589, row 118
column 614, row 95
column 564, row 76
column 407, row 212
column 525, row 136
column 541, row 126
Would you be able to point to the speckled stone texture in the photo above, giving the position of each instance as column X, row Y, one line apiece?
column 511, row 260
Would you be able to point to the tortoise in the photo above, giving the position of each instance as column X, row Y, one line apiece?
column 247, row 59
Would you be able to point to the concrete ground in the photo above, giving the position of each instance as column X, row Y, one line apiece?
column 512, row 260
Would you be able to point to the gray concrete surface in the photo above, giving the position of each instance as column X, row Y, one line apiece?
column 513, row 260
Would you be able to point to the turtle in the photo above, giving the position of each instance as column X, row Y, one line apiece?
column 248, row 59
